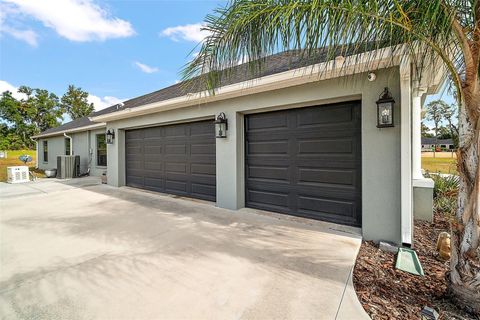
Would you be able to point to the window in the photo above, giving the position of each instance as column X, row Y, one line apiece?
column 45, row 151
column 67, row 146
column 101, row 150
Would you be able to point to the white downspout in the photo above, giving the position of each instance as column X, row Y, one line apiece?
column 36, row 152
column 406, row 204
column 71, row 143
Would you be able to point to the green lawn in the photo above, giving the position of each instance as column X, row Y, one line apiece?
column 442, row 165
column 12, row 160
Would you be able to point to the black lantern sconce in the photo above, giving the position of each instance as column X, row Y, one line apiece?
column 110, row 136
column 385, row 110
column 221, row 126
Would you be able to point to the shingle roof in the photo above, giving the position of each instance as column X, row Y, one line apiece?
column 76, row 124
column 426, row 140
column 276, row 63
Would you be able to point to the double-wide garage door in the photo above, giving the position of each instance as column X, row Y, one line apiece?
column 306, row 162
column 177, row 159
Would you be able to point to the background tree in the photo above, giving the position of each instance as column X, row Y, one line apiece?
column 426, row 131
column 75, row 103
column 434, row 112
column 444, row 132
column 450, row 114
column 445, row 30
column 21, row 119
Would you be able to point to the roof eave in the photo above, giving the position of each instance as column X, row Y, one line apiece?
column 73, row 130
column 322, row 71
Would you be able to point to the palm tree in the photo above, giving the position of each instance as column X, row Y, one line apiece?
column 445, row 30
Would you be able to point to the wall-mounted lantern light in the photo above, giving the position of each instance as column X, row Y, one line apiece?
column 385, row 110
column 221, row 126
column 110, row 136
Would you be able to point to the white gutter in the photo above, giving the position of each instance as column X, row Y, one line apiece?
column 79, row 129
column 36, row 152
column 71, row 143
column 322, row 71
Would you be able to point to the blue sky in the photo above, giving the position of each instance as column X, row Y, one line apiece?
column 112, row 49
column 115, row 50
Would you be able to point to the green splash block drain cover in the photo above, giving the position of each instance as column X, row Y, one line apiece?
column 407, row 260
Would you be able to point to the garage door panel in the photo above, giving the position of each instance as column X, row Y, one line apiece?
column 135, row 181
column 175, row 131
column 263, row 122
column 328, row 115
column 157, row 150
column 268, row 198
column 306, row 162
column 268, row 172
column 203, row 168
column 203, row 191
column 204, row 128
column 153, row 181
column 314, row 175
column 202, row 179
column 178, row 159
column 134, row 134
column 326, row 206
column 173, row 149
column 202, row 149
column 152, row 166
column 153, row 132
column 175, row 167
column 268, row 147
column 325, row 146
column 173, row 186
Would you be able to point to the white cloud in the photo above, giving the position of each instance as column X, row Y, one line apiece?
column 28, row 36
column 145, row 68
column 5, row 86
column 102, row 103
column 76, row 20
column 188, row 32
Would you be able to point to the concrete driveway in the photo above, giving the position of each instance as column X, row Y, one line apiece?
column 81, row 250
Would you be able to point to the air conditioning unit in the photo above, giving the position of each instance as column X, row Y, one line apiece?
column 68, row 167
column 18, row 174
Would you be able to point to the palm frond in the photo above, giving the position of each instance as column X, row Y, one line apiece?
column 251, row 30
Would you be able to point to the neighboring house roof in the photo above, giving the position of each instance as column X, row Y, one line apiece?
column 426, row 140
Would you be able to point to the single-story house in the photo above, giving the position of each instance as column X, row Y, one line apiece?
column 298, row 141
column 78, row 137
column 428, row 144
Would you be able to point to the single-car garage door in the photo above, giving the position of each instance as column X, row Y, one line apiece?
column 177, row 159
column 306, row 162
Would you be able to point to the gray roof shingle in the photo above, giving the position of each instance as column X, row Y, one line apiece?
column 276, row 63
column 427, row 140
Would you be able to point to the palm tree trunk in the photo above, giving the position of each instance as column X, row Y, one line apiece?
column 465, row 261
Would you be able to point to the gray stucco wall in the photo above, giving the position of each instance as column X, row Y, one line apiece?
column 56, row 146
column 81, row 148
column 95, row 169
column 380, row 147
column 84, row 145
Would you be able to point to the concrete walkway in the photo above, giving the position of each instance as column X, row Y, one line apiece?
column 81, row 250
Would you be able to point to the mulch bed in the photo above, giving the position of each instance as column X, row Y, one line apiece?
column 388, row 293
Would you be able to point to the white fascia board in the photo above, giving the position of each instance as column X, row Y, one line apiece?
column 74, row 130
column 327, row 70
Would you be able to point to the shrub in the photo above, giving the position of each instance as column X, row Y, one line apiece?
column 445, row 194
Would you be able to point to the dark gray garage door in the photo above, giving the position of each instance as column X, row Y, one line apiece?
column 177, row 159
column 306, row 162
